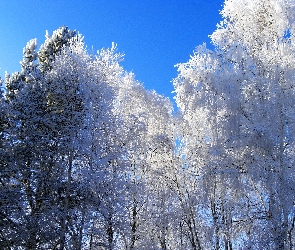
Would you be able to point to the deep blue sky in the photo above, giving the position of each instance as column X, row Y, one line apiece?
column 154, row 35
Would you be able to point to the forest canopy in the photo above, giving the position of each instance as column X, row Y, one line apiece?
column 90, row 159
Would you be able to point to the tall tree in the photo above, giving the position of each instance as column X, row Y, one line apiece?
column 90, row 159
column 237, row 103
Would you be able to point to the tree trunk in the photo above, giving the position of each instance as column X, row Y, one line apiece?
column 110, row 233
column 66, row 206
column 134, row 224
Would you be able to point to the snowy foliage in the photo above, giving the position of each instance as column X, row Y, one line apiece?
column 90, row 159
column 237, row 104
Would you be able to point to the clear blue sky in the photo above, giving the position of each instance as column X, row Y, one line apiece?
column 154, row 35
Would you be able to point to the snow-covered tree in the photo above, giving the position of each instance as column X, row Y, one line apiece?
column 90, row 159
column 41, row 136
column 148, row 148
column 237, row 104
column 87, row 141
column 52, row 45
column 10, row 191
column 49, row 117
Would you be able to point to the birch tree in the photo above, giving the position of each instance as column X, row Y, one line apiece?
column 237, row 104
